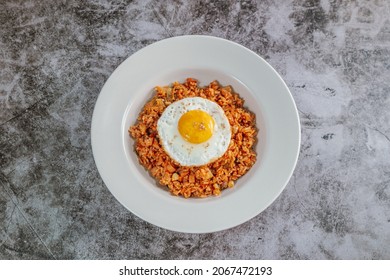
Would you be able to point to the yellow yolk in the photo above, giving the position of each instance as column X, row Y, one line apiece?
column 196, row 126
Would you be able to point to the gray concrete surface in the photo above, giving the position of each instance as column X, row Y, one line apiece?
column 55, row 57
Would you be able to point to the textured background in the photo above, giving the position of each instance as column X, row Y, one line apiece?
column 55, row 57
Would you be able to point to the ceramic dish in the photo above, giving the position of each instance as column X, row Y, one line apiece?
column 205, row 59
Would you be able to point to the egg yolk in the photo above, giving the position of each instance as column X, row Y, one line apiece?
column 196, row 126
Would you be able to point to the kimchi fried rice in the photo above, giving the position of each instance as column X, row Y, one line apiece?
column 196, row 181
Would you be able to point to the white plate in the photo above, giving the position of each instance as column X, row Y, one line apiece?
column 206, row 59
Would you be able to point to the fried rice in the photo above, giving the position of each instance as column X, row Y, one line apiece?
column 196, row 181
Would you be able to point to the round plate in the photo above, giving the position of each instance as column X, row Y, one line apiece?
column 205, row 59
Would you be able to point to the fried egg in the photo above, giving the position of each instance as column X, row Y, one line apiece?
column 194, row 131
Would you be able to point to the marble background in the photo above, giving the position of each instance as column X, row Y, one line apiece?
column 55, row 57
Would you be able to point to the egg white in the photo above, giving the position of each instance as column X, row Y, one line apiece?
column 184, row 152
